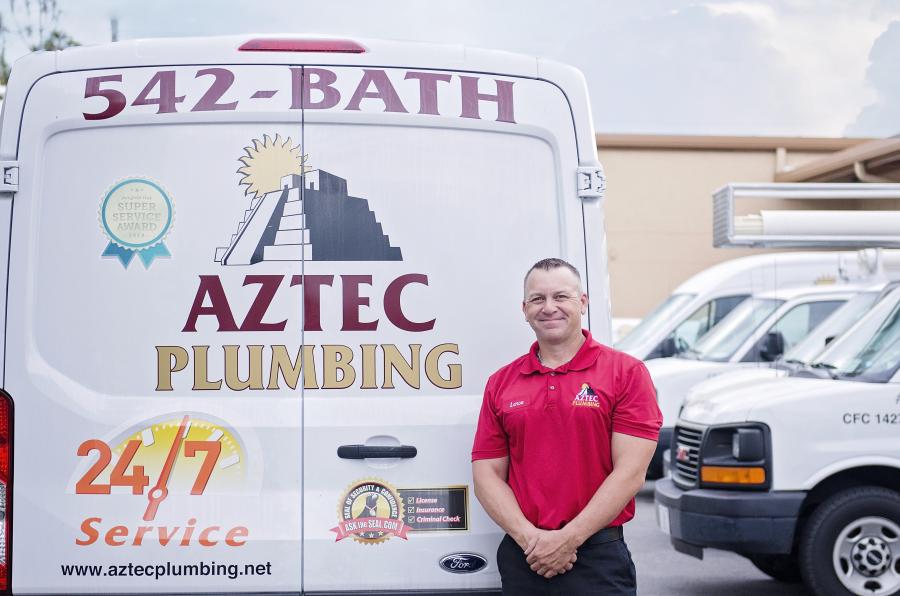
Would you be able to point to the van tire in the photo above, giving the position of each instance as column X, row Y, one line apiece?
column 783, row 568
column 841, row 533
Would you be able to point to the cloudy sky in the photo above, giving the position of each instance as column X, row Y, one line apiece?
column 773, row 67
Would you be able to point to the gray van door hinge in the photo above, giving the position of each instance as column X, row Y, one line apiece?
column 591, row 182
column 10, row 180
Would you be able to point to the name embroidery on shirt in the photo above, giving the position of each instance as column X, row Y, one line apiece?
column 586, row 397
column 516, row 404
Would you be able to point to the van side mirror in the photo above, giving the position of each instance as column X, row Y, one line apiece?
column 667, row 348
column 773, row 347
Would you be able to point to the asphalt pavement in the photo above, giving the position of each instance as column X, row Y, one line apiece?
column 662, row 571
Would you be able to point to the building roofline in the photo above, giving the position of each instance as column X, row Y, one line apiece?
column 725, row 143
column 873, row 155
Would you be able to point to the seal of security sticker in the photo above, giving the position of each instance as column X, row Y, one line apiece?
column 371, row 511
column 136, row 214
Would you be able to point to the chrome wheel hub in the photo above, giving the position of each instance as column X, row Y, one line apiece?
column 871, row 556
column 866, row 556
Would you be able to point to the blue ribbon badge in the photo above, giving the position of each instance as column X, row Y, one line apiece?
column 136, row 215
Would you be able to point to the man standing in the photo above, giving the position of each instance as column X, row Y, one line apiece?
column 563, row 442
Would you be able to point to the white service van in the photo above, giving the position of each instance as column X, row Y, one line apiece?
column 758, row 330
column 799, row 474
column 699, row 303
column 254, row 287
column 802, row 356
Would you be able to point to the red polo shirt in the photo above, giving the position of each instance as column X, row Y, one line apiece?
column 556, row 427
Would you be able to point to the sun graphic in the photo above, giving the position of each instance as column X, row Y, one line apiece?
column 266, row 162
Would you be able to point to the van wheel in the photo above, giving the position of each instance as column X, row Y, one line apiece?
column 851, row 544
column 783, row 568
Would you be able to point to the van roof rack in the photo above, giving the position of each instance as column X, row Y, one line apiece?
column 852, row 224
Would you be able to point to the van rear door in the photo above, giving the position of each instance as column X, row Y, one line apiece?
column 434, row 192
column 196, row 248
column 152, row 453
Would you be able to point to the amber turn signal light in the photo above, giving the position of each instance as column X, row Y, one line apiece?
column 730, row 475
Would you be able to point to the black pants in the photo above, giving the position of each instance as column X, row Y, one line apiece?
column 602, row 568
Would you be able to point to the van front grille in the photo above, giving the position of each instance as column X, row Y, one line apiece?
column 686, row 455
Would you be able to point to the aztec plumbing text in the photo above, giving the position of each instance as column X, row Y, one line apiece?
column 328, row 366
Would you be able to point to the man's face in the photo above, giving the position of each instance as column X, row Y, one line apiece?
column 554, row 304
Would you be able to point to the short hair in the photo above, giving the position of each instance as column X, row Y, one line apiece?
column 552, row 263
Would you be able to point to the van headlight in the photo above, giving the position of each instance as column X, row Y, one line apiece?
column 748, row 444
column 736, row 456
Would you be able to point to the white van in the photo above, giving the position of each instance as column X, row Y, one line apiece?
column 255, row 287
column 801, row 475
column 699, row 303
column 803, row 356
column 743, row 339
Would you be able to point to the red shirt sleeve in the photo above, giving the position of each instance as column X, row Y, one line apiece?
column 636, row 412
column 490, row 438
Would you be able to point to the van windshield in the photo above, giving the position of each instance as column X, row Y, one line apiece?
column 850, row 351
column 841, row 320
column 880, row 358
column 649, row 325
column 725, row 338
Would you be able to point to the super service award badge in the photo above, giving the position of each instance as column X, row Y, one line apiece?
column 136, row 214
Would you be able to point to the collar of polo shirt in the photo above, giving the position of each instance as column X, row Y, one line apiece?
column 585, row 357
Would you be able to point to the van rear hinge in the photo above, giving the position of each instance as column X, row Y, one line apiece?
column 10, row 180
column 591, row 182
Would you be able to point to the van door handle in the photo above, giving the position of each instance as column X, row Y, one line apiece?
column 367, row 452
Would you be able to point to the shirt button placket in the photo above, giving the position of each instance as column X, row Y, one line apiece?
column 551, row 389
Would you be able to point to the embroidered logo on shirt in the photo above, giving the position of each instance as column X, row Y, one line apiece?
column 516, row 403
column 586, row 397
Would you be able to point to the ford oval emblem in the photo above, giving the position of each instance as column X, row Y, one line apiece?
column 463, row 563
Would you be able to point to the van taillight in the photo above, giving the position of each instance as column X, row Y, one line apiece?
column 6, row 442
column 339, row 46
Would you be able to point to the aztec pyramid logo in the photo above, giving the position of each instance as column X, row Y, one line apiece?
column 297, row 213
column 586, row 397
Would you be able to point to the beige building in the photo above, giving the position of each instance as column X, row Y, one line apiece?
column 659, row 198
